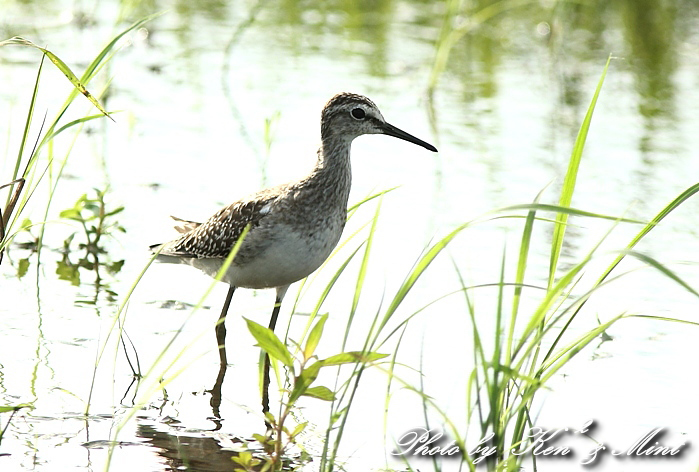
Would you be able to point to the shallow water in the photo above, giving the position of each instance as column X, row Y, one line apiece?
column 196, row 87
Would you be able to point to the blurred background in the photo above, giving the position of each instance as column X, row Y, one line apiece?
column 216, row 99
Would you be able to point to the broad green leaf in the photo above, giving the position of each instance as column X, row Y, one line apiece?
column 270, row 343
column 353, row 357
column 115, row 267
column 69, row 272
column 71, row 214
column 304, row 380
column 314, row 337
column 22, row 267
column 320, row 392
column 298, row 429
column 239, row 460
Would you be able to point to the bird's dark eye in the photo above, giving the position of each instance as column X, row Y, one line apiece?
column 358, row 114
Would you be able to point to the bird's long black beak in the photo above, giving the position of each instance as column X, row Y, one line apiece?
column 399, row 133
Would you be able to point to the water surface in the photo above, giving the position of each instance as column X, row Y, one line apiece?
column 195, row 87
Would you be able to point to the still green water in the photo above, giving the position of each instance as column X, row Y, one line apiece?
column 218, row 99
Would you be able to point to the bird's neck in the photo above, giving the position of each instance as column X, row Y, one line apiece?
column 333, row 170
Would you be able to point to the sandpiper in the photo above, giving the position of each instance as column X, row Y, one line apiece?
column 294, row 226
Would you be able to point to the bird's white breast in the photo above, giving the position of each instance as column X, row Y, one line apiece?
column 289, row 257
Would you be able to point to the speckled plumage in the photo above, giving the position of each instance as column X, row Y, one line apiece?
column 296, row 224
column 293, row 227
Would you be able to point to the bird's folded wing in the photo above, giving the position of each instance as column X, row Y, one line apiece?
column 216, row 236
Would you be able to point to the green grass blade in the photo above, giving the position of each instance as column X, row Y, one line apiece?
column 567, row 211
column 495, row 361
column 665, row 318
column 75, row 122
column 63, row 67
column 89, row 73
column 524, row 246
column 351, row 210
column 450, row 34
column 327, row 290
column 570, row 179
column 669, row 208
column 419, row 269
column 554, row 364
column 544, row 307
column 28, row 122
column 14, row 193
column 362, row 273
column 662, row 269
column 107, row 49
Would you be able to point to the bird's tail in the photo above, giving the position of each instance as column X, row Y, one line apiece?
column 184, row 226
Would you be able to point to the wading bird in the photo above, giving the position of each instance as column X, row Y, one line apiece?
column 294, row 226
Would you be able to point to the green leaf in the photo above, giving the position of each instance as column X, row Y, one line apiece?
column 335, row 417
column 115, row 267
column 270, row 343
column 567, row 211
column 22, row 267
column 243, row 458
column 298, row 429
column 320, row 392
column 304, row 380
column 570, row 179
column 260, row 438
column 6, row 408
column 76, row 122
column 62, row 67
column 26, row 223
column 664, row 270
column 71, row 214
column 420, row 267
column 114, row 212
column 353, row 357
column 69, row 272
column 314, row 337
column 354, row 207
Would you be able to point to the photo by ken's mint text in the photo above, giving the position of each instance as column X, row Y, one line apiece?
column 542, row 443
